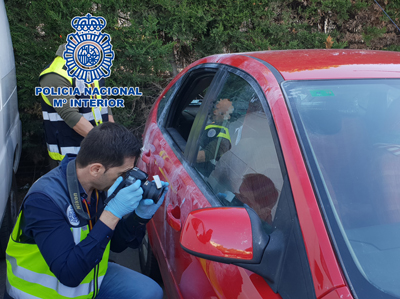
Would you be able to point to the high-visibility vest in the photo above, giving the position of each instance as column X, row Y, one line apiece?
column 223, row 131
column 28, row 275
column 60, row 138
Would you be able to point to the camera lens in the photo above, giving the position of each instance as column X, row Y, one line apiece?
column 150, row 191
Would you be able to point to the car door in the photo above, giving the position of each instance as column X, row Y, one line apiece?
column 164, row 148
column 251, row 171
column 242, row 164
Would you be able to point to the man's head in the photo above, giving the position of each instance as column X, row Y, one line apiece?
column 223, row 110
column 259, row 192
column 108, row 151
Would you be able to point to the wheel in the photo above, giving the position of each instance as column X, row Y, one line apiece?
column 10, row 216
column 148, row 262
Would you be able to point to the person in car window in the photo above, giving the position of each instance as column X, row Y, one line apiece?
column 61, row 242
column 215, row 140
column 66, row 126
column 259, row 192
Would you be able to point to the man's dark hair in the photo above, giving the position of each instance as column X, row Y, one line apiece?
column 108, row 144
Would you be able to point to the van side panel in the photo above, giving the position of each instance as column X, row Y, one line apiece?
column 10, row 124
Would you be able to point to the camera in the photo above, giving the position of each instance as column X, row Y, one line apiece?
column 151, row 190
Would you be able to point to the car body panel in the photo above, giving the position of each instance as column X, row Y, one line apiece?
column 182, row 197
column 205, row 240
column 342, row 292
column 326, row 271
column 268, row 69
column 332, row 64
column 177, row 266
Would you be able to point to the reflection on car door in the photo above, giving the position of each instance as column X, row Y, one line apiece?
column 236, row 160
column 215, row 143
column 251, row 171
column 164, row 150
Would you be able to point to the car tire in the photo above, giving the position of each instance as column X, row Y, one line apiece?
column 147, row 260
column 10, row 216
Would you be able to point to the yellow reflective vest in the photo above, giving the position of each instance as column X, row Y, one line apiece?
column 28, row 274
column 60, row 138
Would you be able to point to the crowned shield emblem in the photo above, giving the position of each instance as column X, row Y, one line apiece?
column 88, row 53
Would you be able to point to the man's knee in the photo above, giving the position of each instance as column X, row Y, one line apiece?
column 151, row 289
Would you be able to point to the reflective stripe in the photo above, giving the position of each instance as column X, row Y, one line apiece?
column 100, row 281
column 53, row 116
column 76, row 233
column 53, row 148
column 50, row 282
column 90, row 115
column 97, row 115
column 69, row 150
column 97, row 111
column 81, row 85
column 18, row 294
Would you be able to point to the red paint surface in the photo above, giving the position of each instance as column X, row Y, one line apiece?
column 209, row 231
column 179, row 269
column 325, row 270
column 333, row 64
column 339, row 293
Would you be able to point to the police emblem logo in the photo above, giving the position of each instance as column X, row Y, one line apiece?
column 211, row 133
column 88, row 53
column 72, row 218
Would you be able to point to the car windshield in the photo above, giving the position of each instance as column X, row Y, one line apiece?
column 350, row 134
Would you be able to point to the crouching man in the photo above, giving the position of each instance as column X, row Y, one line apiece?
column 60, row 245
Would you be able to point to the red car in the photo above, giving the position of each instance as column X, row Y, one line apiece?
column 284, row 172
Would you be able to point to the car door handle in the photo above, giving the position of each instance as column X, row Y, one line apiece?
column 146, row 156
column 173, row 217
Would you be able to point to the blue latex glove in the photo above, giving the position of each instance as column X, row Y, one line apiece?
column 147, row 208
column 126, row 200
column 115, row 185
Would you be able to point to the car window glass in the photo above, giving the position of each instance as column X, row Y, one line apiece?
column 187, row 104
column 236, row 153
column 164, row 100
column 350, row 131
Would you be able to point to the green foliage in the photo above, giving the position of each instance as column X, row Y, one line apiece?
column 39, row 27
column 153, row 39
column 393, row 48
column 341, row 9
column 372, row 32
column 393, row 10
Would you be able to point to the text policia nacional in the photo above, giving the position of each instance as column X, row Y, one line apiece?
column 88, row 92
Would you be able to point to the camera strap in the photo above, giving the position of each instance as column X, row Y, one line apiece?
column 73, row 189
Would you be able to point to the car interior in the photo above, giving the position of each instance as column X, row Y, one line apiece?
column 186, row 109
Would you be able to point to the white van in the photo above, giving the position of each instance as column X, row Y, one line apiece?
column 10, row 132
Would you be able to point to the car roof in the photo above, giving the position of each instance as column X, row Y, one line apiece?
column 329, row 63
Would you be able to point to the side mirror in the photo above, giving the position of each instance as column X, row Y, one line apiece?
column 231, row 235
column 234, row 235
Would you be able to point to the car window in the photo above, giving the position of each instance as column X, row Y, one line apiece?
column 236, row 155
column 350, row 131
column 164, row 101
column 186, row 104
